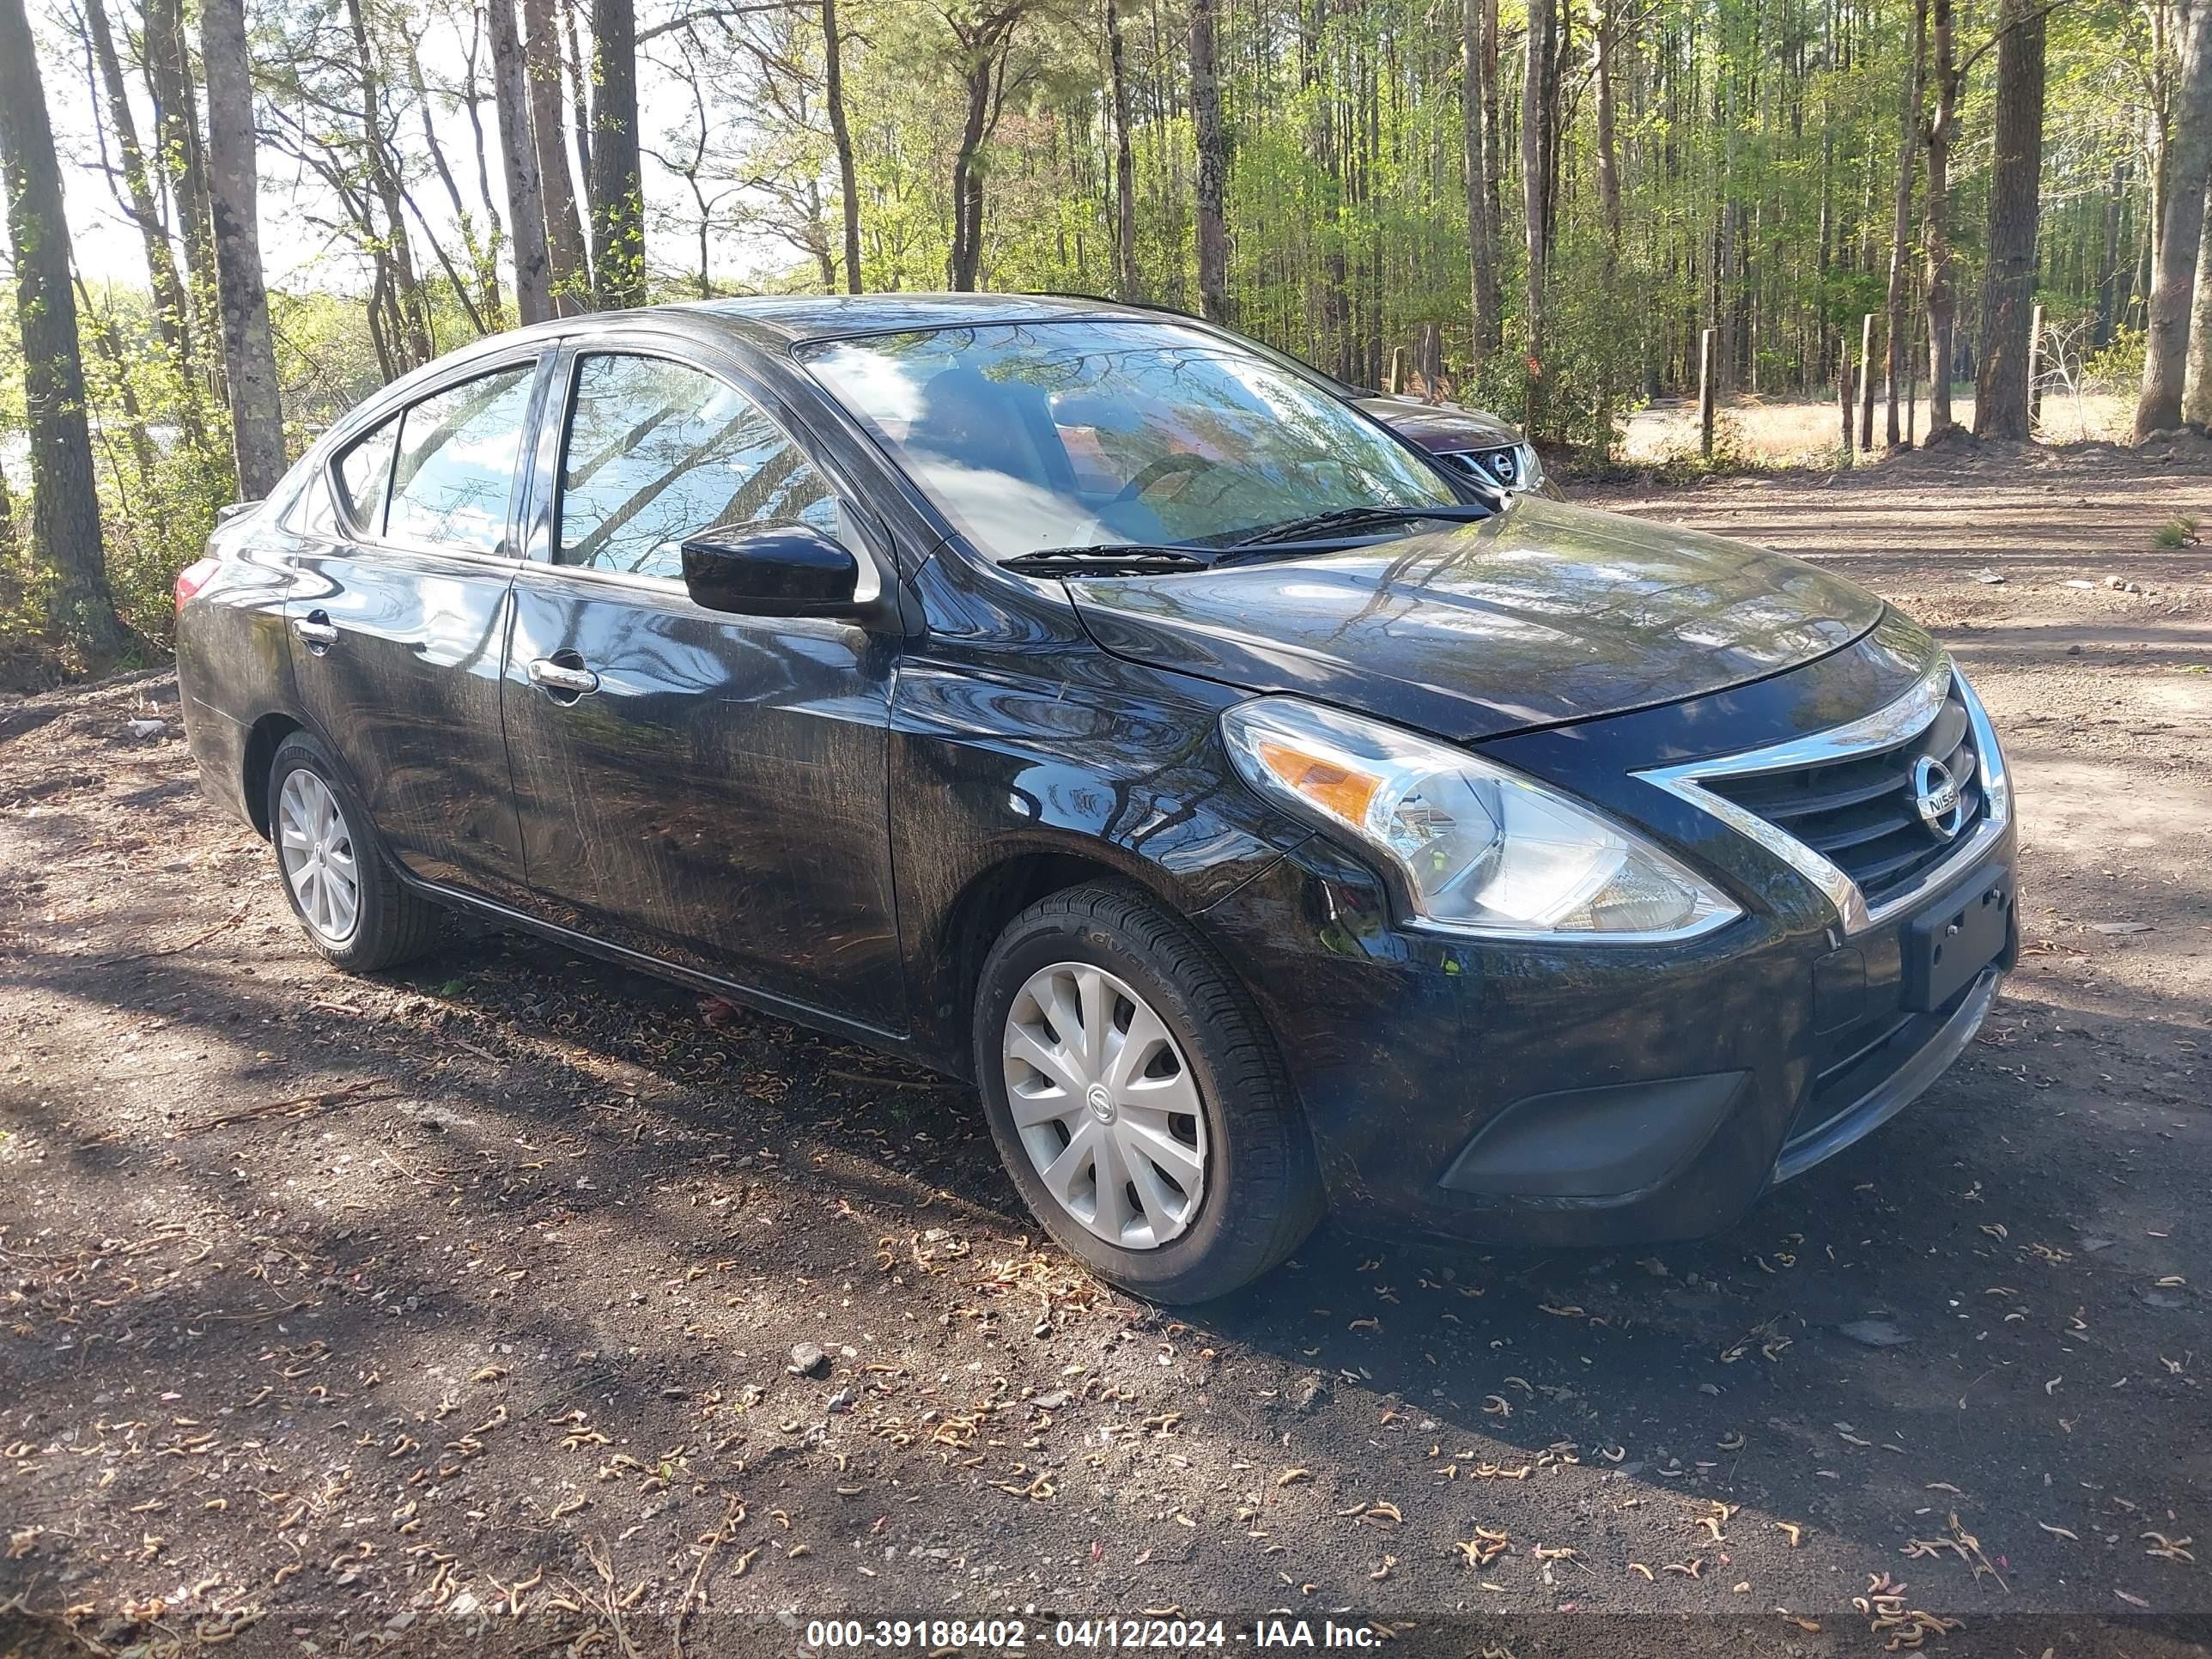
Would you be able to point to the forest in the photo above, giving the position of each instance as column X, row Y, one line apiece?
column 1562, row 209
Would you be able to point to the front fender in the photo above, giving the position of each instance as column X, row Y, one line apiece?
column 1103, row 764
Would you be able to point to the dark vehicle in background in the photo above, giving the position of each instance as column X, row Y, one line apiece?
column 1472, row 441
column 1091, row 705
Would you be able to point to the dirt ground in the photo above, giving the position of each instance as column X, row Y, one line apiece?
column 457, row 1307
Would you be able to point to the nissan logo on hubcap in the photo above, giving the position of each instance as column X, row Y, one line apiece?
column 1935, row 797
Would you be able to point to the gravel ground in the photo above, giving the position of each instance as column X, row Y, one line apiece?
column 457, row 1307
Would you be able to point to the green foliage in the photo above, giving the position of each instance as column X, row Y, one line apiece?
column 324, row 359
column 2118, row 368
column 1756, row 148
column 2176, row 532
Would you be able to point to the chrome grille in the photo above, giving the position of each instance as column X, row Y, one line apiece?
column 1491, row 468
column 1858, row 812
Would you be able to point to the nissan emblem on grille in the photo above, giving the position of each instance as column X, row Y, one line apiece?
column 1935, row 797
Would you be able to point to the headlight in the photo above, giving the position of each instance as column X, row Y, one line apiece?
column 1532, row 470
column 1480, row 849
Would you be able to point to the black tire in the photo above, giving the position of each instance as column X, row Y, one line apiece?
column 1262, row 1193
column 392, row 923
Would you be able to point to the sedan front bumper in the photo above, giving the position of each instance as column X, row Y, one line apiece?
column 1904, row 1064
column 1558, row 1093
column 1576, row 1095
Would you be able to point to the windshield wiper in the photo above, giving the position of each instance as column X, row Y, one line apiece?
column 1316, row 526
column 1105, row 559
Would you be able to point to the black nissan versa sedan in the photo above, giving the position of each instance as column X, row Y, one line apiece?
column 1098, row 705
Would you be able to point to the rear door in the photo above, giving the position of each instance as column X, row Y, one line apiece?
column 398, row 613
column 705, row 789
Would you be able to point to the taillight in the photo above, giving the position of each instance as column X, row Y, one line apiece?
column 193, row 577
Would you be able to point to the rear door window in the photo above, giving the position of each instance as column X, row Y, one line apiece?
column 657, row 451
column 454, row 471
column 363, row 470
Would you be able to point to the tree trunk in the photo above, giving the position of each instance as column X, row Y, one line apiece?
column 257, row 415
column 964, row 262
column 1485, row 297
column 398, row 255
column 2189, row 160
column 495, row 233
column 1126, row 283
column 2108, row 258
column 1605, row 22
column 1493, row 124
column 568, row 266
column 579, row 106
column 1212, row 165
column 840, row 134
column 2004, row 383
column 1943, row 128
column 1535, row 171
column 1609, row 162
column 476, row 290
column 533, row 298
column 2197, row 382
column 617, row 188
column 172, row 310
column 66, row 549
column 177, row 134
column 1897, row 348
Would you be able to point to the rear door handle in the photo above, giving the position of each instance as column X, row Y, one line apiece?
column 315, row 628
column 575, row 681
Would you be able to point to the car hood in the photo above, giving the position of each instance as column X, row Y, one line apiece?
column 1444, row 428
column 1544, row 613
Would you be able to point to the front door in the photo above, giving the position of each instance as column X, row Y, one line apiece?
column 397, row 612
column 705, row 789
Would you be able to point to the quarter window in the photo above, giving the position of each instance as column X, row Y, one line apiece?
column 455, row 463
column 657, row 451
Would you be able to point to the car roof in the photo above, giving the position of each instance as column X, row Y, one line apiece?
column 791, row 318
column 769, row 322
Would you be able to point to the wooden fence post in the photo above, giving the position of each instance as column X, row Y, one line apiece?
column 1708, row 351
column 2035, row 370
column 1844, row 404
column 1866, row 377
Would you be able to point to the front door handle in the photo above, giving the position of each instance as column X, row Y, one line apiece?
column 316, row 629
column 566, row 679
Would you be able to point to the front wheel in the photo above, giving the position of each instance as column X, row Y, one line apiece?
column 1138, row 1104
column 348, row 899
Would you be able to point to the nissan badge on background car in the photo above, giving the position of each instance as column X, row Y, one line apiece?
column 1474, row 442
column 1267, row 815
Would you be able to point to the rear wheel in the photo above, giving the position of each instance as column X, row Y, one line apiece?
column 1138, row 1105
column 354, row 908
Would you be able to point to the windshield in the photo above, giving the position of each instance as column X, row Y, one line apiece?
column 1036, row 436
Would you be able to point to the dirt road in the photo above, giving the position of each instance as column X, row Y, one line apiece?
column 460, row 1305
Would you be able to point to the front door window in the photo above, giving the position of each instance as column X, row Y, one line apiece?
column 657, row 451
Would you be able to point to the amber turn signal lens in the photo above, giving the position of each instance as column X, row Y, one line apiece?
column 1324, row 782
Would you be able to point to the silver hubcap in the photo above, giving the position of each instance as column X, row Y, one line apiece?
column 1105, row 1105
column 317, row 849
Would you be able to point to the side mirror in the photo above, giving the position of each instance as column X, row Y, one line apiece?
column 781, row 569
